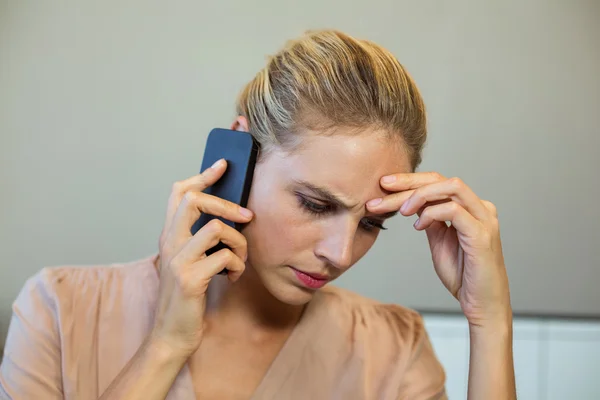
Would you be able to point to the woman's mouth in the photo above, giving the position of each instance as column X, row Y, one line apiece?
column 311, row 280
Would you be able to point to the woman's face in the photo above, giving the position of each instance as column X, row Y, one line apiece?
column 311, row 223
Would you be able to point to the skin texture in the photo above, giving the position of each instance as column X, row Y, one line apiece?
column 295, row 226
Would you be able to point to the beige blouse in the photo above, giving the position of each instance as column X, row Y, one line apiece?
column 74, row 328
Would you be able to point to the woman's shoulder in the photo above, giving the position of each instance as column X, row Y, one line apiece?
column 71, row 280
column 366, row 313
column 380, row 328
column 389, row 341
column 78, row 276
column 84, row 318
column 73, row 289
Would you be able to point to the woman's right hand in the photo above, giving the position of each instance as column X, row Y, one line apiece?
column 185, row 270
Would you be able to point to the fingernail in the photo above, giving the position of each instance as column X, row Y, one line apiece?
column 388, row 179
column 245, row 212
column 374, row 202
column 416, row 222
column 217, row 164
column 404, row 207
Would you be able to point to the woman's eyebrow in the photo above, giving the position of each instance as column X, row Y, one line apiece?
column 324, row 193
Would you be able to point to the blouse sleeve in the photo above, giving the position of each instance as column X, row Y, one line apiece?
column 31, row 366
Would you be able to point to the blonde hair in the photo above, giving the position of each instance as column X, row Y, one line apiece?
column 327, row 79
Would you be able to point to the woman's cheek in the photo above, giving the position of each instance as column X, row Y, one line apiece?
column 289, row 222
column 280, row 227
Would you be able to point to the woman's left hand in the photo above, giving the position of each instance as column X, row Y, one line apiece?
column 467, row 253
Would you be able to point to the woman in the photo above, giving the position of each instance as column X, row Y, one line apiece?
column 341, row 127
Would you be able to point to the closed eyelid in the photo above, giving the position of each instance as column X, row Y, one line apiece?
column 313, row 198
column 321, row 207
column 325, row 202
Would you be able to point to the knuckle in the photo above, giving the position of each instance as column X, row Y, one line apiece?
column 456, row 183
column 417, row 196
column 178, row 187
column 182, row 276
column 425, row 214
column 226, row 256
column 176, row 267
column 491, row 207
column 454, row 207
column 436, row 176
column 216, row 226
column 242, row 248
column 189, row 198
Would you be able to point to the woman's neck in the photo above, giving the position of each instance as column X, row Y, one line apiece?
column 247, row 303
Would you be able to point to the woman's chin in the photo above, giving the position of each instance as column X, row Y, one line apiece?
column 287, row 292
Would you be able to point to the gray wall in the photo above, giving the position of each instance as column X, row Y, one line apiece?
column 104, row 105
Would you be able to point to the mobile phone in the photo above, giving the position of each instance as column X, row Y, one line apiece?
column 240, row 150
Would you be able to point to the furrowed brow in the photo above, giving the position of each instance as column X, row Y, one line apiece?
column 324, row 194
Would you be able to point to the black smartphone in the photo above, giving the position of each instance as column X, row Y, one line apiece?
column 240, row 150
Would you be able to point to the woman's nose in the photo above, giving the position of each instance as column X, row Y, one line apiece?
column 337, row 245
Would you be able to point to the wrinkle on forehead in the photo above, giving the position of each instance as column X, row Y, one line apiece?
column 351, row 166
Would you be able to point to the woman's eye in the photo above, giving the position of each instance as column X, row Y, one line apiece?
column 371, row 224
column 313, row 207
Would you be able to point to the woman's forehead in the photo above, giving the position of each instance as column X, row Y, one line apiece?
column 350, row 165
column 356, row 152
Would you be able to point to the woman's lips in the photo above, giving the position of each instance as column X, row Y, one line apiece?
column 311, row 280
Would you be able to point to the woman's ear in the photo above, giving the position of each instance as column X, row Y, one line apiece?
column 240, row 124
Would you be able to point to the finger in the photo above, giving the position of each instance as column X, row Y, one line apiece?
column 436, row 231
column 432, row 203
column 450, row 189
column 389, row 203
column 196, row 203
column 451, row 212
column 194, row 278
column 414, row 180
column 196, row 183
column 491, row 208
column 437, row 228
column 215, row 263
column 394, row 201
column 449, row 250
column 209, row 236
